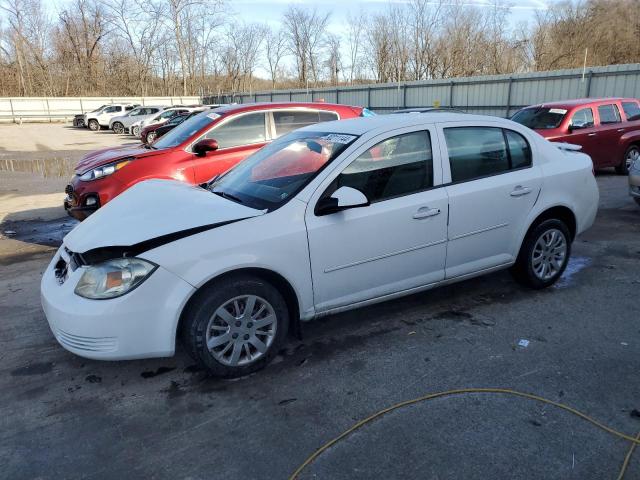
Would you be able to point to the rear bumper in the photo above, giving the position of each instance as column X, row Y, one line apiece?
column 634, row 183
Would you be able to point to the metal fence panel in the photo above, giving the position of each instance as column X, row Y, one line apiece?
column 498, row 95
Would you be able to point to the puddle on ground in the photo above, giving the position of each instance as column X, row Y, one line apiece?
column 47, row 167
column 40, row 232
column 575, row 265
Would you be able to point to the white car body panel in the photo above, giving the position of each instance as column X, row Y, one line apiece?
column 103, row 117
column 128, row 120
column 333, row 262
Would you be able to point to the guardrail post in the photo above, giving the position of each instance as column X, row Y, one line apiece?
column 369, row 97
column 13, row 115
column 506, row 113
column 81, row 107
column 451, row 85
column 404, row 96
column 271, row 96
column 48, row 109
column 290, row 95
column 588, row 86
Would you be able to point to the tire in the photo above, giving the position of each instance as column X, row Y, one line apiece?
column 151, row 136
column 637, row 200
column 630, row 155
column 94, row 126
column 238, row 346
column 118, row 128
column 539, row 263
column 135, row 131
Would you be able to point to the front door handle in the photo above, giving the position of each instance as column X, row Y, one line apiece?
column 621, row 129
column 591, row 134
column 425, row 212
column 520, row 191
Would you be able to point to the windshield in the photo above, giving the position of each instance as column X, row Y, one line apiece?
column 540, row 118
column 271, row 176
column 185, row 130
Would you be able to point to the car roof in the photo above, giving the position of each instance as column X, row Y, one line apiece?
column 245, row 107
column 578, row 102
column 361, row 125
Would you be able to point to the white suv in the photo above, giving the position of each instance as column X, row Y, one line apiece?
column 327, row 218
column 100, row 119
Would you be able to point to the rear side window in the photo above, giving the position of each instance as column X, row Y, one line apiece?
column 476, row 152
column 608, row 114
column 397, row 166
column 583, row 118
column 243, row 130
column 287, row 121
column 631, row 110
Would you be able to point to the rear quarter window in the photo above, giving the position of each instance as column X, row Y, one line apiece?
column 631, row 110
column 608, row 114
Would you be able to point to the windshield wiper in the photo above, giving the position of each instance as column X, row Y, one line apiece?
column 228, row 196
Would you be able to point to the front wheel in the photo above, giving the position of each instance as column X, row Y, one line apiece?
column 94, row 126
column 544, row 254
column 631, row 155
column 118, row 128
column 135, row 131
column 151, row 136
column 236, row 326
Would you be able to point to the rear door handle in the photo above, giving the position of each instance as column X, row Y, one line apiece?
column 591, row 134
column 425, row 212
column 520, row 191
column 621, row 129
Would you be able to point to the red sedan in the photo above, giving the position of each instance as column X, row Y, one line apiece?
column 195, row 151
column 608, row 129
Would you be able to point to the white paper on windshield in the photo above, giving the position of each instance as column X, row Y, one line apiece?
column 338, row 138
column 561, row 111
column 213, row 116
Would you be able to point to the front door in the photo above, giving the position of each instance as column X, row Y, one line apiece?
column 583, row 132
column 396, row 243
column 493, row 187
column 238, row 137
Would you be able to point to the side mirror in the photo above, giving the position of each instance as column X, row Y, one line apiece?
column 203, row 146
column 577, row 126
column 342, row 199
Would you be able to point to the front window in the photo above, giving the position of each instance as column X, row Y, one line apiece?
column 274, row 174
column 540, row 118
column 583, row 118
column 186, row 130
column 136, row 111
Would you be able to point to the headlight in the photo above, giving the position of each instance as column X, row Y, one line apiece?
column 113, row 278
column 104, row 170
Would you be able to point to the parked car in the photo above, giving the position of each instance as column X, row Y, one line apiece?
column 429, row 110
column 195, row 151
column 160, row 130
column 148, row 133
column 608, row 129
column 121, row 124
column 79, row 119
column 325, row 219
column 163, row 117
column 100, row 119
column 634, row 174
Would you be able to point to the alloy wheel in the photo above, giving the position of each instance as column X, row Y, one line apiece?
column 633, row 154
column 549, row 254
column 241, row 330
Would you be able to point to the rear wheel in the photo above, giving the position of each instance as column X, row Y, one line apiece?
column 544, row 254
column 631, row 155
column 94, row 126
column 236, row 326
column 118, row 128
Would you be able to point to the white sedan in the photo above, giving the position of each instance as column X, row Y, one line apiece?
column 327, row 218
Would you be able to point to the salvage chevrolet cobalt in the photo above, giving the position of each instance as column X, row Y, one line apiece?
column 324, row 219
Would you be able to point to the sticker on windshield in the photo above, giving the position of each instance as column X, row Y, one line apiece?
column 213, row 116
column 338, row 138
column 561, row 111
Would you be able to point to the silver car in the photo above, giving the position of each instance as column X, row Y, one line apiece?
column 634, row 173
column 122, row 123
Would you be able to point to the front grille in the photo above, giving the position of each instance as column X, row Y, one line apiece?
column 89, row 344
column 68, row 189
column 68, row 261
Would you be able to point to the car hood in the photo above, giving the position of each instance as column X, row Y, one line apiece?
column 108, row 155
column 152, row 213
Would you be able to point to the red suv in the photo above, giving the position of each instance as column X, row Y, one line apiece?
column 608, row 129
column 195, row 151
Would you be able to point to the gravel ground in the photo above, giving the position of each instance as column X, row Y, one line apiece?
column 62, row 416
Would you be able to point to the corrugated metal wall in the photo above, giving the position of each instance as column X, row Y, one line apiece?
column 18, row 109
column 498, row 95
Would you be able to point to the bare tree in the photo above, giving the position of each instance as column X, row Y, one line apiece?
column 334, row 58
column 275, row 50
column 355, row 31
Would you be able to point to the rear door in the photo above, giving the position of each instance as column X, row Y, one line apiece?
column 610, row 130
column 493, row 186
column 238, row 137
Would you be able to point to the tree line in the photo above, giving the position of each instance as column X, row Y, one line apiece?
column 192, row 47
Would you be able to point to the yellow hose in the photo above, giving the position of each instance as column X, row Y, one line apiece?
column 634, row 440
